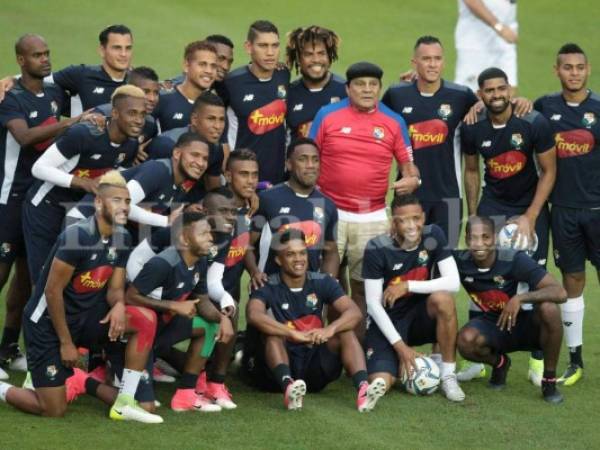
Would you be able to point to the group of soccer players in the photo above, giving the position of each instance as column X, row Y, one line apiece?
column 130, row 208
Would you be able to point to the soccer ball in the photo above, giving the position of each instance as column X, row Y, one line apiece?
column 425, row 379
column 505, row 236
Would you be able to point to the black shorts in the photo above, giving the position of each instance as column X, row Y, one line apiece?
column 447, row 215
column 414, row 326
column 43, row 346
column 525, row 336
column 576, row 237
column 115, row 356
column 501, row 213
column 317, row 366
column 171, row 331
column 12, row 242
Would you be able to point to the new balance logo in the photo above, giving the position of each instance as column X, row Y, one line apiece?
column 469, row 279
column 96, row 156
column 298, row 107
column 94, row 256
column 33, row 114
column 180, row 285
column 98, row 90
column 555, row 117
column 346, row 130
column 284, row 210
column 485, row 144
column 178, row 116
column 248, row 98
column 407, row 110
column 397, row 266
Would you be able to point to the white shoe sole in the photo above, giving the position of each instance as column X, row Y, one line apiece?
column 19, row 364
column 134, row 415
column 296, row 395
column 471, row 373
column 3, row 374
column 375, row 391
column 226, row 404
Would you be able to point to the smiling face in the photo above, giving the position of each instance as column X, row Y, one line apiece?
column 201, row 69
column 242, row 178
column 407, row 224
column 224, row 59
column 314, row 61
column 481, row 242
column 192, row 159
column 573, row 70
column 129, row 114
column 209, row 122
column 495, row 94
column 113, row 203
column 292, row 257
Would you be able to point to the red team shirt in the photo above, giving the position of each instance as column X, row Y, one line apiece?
column 356, row 151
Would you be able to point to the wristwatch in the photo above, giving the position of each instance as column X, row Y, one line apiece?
column 499, row 27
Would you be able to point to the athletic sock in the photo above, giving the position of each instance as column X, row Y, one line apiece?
column 537, row 354
column 359, row 378
column 500, row 361
column 129, row 382
column 549, row 376
column 216, row 378
column 448, row 368
column 9, row 336
column 188, row 380
column 283, row 375
column 91, row 386
column 4, row 387
column 572, row 317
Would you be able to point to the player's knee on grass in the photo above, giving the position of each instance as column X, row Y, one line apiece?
column 469, row 341
column 142, row 321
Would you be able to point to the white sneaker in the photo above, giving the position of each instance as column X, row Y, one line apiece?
column 3, row 374
column 27, row 382
column 294, row 395
column 470, row 371
column 370, row 394
column 161, row 377
column 451, row 388
column 536, row 371
column 437, row 359
column 135, row 413
column 166, row 368
column 19, row 363
column 203, row 404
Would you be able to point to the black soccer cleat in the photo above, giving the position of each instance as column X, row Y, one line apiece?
column 550, row 392
column 499, row 374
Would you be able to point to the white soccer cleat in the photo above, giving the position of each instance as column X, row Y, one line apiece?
column 133, row 412
column 294, row 395
column 369, row 394
column 451, row 388
column 28, row 382
column 3, row 374
column 166, row 368
column 471, row 371
column 19, row 363
column 535, row 373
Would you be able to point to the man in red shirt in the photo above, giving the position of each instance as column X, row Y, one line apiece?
column 358, row 139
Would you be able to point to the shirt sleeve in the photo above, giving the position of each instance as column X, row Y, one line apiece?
column 215, row 160
column 10, row 110
column 373, row 264
column 387, row 99
column 441, row 250
column 331, row 290
column 72, row 142
column 526, row 269
column 317, row 126
column 262, row 294
column 466, row 140
column 160, row 147
column 331, row 229
column 154, row 274
column 402, row 147
column 69, row 249
column 538, row 105
column 543, row 138
column 69, row 78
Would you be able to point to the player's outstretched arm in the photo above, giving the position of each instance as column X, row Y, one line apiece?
column 27, row 136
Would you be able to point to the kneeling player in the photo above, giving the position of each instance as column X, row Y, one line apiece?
column 405, row 305
column 491, row 278
column 79, row 301
column 294, row 351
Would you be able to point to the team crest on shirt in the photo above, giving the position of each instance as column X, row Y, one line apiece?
column 334, row 99
column 318, row 213
column 51, row 372
column 378, row 133
column 516, row 140
column 5, row 248
column 285, row 306
column 423, row 257
column 556, row 255
column 111, row 256
column 312, row 300
column 499, row 280
column 121, row 157
column 281, row 91
column 370, row 352
column 54, row 107
column 212, row 252
column 589, row 119
column 445, row 111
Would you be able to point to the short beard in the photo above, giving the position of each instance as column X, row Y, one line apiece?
column 313, row 79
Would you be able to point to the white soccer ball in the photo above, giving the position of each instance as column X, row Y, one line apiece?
column 425, row 379
column 505, row 237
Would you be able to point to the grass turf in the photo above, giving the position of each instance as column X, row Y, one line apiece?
column 383, row 32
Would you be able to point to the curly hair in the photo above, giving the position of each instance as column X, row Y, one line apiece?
column 300, row 37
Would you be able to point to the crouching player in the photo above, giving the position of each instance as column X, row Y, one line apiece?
column 294, row 351
column 79, row 301
column 406, row 306
column 173, row 283
column 491, row 277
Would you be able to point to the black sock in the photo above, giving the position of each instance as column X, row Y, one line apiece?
column 537, row 354
column 283, row 376
column 188, row 380
column 359, row 378
column 9, row 336
column 575, row 356
column 549, row 376
column 215, row 378
column 500, row 361
column 91, row 386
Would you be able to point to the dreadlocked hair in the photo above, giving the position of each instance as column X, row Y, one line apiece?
column 300, row 37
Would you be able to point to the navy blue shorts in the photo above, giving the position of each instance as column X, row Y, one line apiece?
column 447, row 215
column 414, row 326
column 43, row 346
column 169, row 333
column 317, row 366
column 12, row 242
column 41, row 226
column 576, row 237
column 525, row 336
column 501, row 213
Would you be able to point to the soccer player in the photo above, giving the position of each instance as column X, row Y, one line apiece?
column 256, row 98
column 200, row 68
column 90, row 86
column 207, row 119
column 311, row 50
column 29, row 120
column 357, row 140
column 573, row 115
column 170, row 283
column 294, row 351
column 433, row 109
column 147, row 80
column 491, row 277
column 296, row 203
column 514, row 150
column 407, row 304
column 485, row 36
column 69, row 167
column 79, row 301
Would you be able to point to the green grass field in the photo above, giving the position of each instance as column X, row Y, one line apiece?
column 384, row 32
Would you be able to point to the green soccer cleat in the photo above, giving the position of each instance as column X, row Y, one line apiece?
column 536, row 371
column 470, row 371
column 571, row 376
column 126, row 408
